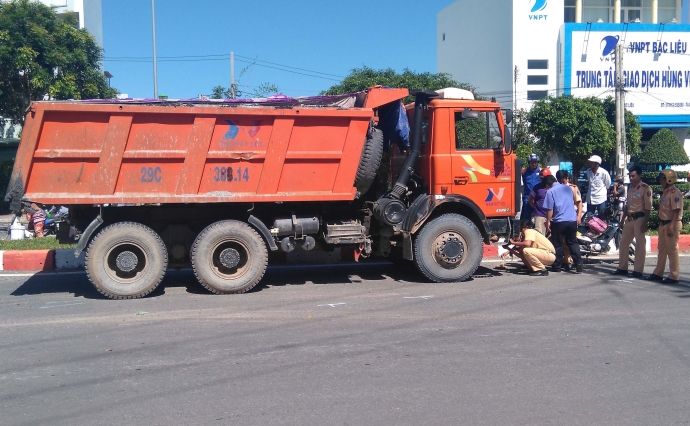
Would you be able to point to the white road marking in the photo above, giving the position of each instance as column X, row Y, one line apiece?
column 333, row 305
column 418, row 297
column 60, row 306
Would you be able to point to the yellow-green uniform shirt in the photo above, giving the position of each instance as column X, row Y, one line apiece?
column 577, row 198
column 538, row 240
column 639, row 198
column 671, row 199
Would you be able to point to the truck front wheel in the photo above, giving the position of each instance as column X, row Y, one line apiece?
column 448, row 248
column 229, row 257
column 126, row 260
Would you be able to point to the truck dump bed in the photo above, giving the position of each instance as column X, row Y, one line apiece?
column 132, row 152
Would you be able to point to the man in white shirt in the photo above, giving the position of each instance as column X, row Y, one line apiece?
column 599, row 182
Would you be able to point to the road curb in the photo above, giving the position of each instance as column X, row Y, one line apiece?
column 60, row 260
column 27, row 260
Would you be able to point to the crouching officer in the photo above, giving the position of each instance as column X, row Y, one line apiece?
column 670, row 215
column 635, row 221
column 534, row 249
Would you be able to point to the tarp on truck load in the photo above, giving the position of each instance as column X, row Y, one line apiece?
column 348, row 100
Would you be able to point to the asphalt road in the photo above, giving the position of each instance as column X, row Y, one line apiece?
column 349, row 345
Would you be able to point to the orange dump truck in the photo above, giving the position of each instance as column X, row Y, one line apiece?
column 222, row 185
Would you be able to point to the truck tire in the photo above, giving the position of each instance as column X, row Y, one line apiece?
column 370, row 161
column 229, row 257
column 448, row 248
column 126, row 260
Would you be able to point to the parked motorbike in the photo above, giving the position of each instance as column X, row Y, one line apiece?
column 596, row 233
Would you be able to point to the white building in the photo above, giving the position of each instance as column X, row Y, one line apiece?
column 521, row 51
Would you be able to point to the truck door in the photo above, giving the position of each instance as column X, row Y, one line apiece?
column 480, row 169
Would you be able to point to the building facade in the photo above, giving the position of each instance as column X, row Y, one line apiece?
column 521, row 51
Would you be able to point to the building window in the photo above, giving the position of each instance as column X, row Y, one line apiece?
column 569, row 12
column 535, row 95
column 595, row 10
column 631, row 10
column 667, row 10
column 537, row 79
column 537, row 64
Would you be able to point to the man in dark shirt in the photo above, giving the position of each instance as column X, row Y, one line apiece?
column 536, row 200
column 530, row 177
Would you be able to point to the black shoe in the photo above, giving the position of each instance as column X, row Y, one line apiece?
column 636, row 275
column 540, row 273
column 654, row 278
column 578, row 269
column 669, row 281
column 554, row 269
column 567, row 268
column 619, row 272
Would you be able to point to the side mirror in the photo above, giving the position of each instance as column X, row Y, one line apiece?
column 509, row 116
column 468, row 113
column 507, row 139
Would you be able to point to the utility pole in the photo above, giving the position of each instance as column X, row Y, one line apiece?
column 621, row 157
column 516, row 73
column 155, row 71
column 232, row 75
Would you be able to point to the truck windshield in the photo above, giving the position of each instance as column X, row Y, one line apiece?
column 477, row 133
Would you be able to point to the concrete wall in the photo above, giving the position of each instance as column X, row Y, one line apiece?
column 478, row 46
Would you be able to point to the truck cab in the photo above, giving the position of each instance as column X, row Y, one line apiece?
column 464, row 188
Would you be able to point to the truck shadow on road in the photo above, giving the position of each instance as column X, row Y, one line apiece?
column 344, row 273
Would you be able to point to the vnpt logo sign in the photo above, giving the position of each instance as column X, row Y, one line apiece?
column 537, row 7
column 493, row 196
column 609, row 44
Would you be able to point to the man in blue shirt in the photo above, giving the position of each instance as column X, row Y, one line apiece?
column 530, row 178
column 561, row 221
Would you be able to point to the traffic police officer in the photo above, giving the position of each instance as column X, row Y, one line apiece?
column 635, row 221
column 670, row 215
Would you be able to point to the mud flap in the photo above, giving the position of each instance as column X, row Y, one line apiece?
column 86, row 236
column 407, row 246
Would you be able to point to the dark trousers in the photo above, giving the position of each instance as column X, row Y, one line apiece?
column 527, row 211
column 567, row 230
column 597, row 208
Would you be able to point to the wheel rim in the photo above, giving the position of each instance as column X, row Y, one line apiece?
column 448, row 249
column 230, row 259
column 126, row 262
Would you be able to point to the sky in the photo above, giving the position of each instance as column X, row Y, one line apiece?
column 301, row 46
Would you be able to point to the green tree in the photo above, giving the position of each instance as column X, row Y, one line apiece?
column 365, row 77
column 633, row 130
column 664, row 149
column 524, row 141
column 43, row 55
column 573, row 127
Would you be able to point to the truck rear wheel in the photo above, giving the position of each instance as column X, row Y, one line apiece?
column 229, row 257
column 448, row 248
column 370, row 161
column 126, row 260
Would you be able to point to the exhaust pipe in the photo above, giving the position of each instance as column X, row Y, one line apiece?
column 421, row 101
column 390, row 209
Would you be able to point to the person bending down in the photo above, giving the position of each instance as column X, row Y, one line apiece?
column 535, row 250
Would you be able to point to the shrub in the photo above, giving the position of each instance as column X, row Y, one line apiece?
column 664, row 149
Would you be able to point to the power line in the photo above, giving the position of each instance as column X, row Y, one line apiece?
column 222, row 57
